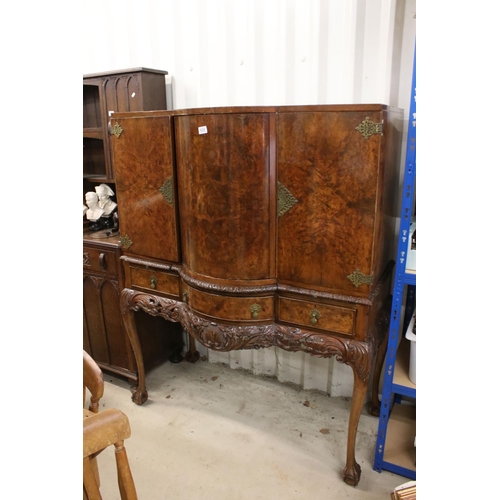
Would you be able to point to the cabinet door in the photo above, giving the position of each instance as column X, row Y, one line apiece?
column 104, row 334
column 328, row 182
column 122, row 93
column 223, row 173
column 145, row 186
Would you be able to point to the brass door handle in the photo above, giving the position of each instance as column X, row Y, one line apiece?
column 314, row 315
column 102, row 261
column 153, row 282
column 255, row 310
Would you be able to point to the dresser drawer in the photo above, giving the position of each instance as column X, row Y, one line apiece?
column 251, row 309
column 326, row 317
column 154, row 280
column 100, row 260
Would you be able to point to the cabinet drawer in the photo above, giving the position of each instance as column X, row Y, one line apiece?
column 327, row 317
column 154, row 280
column 100, row 260
column 251, row 309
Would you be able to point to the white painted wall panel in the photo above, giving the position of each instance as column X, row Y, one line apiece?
column 263, row 52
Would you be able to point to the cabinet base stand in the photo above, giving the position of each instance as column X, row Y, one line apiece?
column 220, row 337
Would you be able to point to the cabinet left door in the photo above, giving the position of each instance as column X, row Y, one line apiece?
column 104, row 336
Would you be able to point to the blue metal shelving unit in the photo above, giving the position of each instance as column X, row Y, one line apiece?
column 392, row 391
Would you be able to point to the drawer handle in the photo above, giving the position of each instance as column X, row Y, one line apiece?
column 153, row 282
column 255, row 310
column 315, row 315
column 102, row 261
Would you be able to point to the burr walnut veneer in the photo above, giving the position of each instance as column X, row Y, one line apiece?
column 255, row 227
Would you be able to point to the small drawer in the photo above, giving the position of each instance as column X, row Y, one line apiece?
column 326, row 317
column 251, row 309
column 100, row 260
column 154, row 280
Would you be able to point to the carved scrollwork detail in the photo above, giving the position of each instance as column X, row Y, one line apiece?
column 86, row 259
column 220, row 337
column 354, row 353
column 197, row 283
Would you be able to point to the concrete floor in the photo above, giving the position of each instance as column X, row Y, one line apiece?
column 210, row 432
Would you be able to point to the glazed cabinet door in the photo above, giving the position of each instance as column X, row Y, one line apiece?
column 145, row 185
column 328, row 187
column 224, row 181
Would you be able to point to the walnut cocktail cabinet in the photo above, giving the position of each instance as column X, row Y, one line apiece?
column 255, row 227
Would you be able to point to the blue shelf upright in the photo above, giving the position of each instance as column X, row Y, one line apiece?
column 393, row 389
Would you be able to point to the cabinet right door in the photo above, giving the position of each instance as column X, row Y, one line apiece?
column 328, row 190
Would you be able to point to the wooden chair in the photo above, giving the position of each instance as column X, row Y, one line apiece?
column 93, row 382
column 100, row 430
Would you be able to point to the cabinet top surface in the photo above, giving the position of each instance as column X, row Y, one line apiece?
column 113, row 241
column 125, row 71
column 268, row 109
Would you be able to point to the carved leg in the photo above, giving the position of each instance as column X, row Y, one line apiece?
column 192, row 355
column 140, row 395
column 352, row 470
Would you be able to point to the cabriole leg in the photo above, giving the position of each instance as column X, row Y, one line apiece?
column 140, row 395
column 352, row 470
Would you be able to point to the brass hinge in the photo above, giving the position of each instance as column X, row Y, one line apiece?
column 126, row 242
column 367, row 128
column 167, row 191
column 358, row 278
column 116, row 130
column 286, row 200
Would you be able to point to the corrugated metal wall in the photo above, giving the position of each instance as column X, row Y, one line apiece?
column 263, row 52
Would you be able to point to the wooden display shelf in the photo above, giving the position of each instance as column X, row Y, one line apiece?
column 400, row 442
column 93, row 133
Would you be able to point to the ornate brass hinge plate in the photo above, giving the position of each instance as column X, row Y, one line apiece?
column 358, row 278
column 126, row 242
column 116, row 130
column 167, row 191
column 286, row 200
column 367, row 128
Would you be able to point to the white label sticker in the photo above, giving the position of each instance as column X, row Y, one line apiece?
column 202, row 130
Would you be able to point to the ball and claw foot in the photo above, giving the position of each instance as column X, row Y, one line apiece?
column 140, row 398
column 192, row 357
column 351, row 476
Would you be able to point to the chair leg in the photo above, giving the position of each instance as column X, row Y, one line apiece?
column 89, row 481
column 125, row 479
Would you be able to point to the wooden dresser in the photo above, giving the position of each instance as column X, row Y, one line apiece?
column 255, row 227
column 104, row 336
